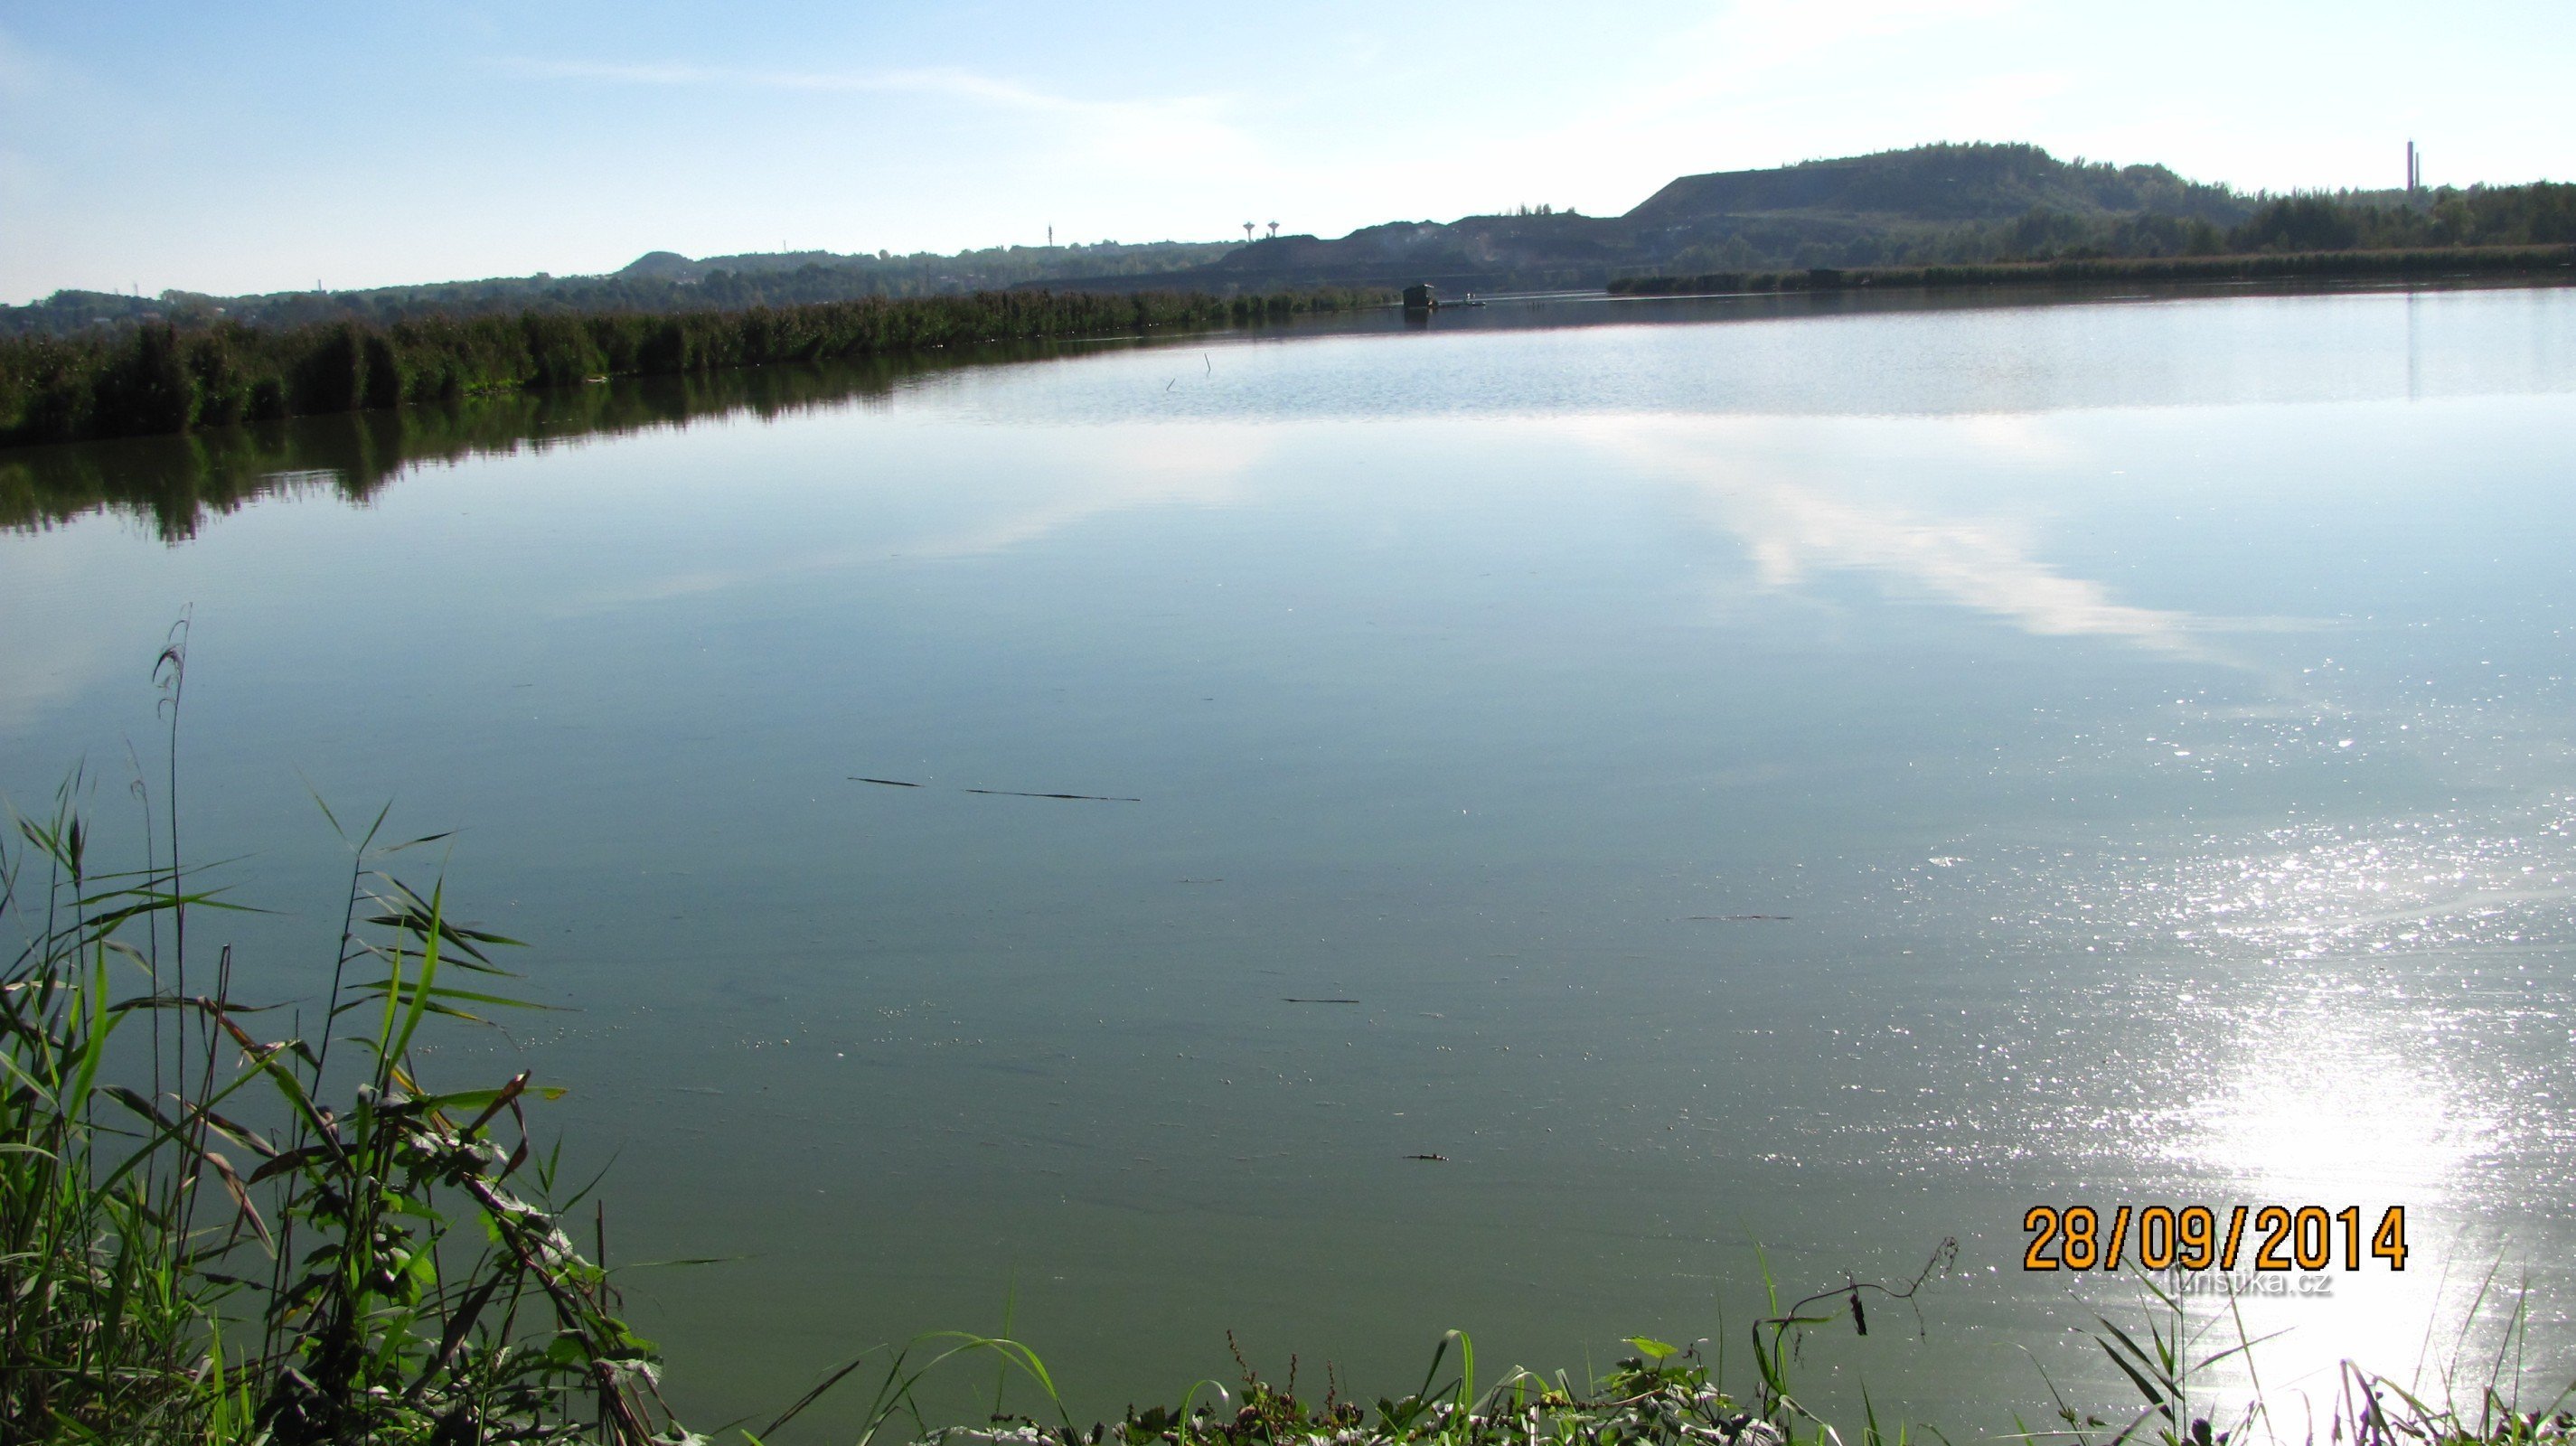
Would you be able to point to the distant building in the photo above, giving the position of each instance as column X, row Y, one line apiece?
column 1420, row 297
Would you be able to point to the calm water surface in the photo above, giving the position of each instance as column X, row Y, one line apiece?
column 1823, row 784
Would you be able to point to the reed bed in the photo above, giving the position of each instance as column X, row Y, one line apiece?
column 213, row 1229
column 160, row 378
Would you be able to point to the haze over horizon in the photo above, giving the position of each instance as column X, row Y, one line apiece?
column 151, row 145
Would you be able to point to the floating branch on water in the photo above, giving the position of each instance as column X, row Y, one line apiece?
column 1319, row 1001
column 1007, row 793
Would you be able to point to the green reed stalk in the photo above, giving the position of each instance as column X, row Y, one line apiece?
column 172, row 1269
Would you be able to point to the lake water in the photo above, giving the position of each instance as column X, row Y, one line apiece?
column 1807, row 776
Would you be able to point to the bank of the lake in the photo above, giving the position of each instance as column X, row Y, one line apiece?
column 165, row 378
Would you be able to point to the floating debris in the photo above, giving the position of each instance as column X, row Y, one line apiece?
column 1001, row 793
column 1319, row 1001
column 1443, row 1159
column 1735, row 918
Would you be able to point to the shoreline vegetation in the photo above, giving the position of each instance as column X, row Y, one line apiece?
column 172, row 484
column 161, row 378
column 221, row 1225
column 2429, row 263
column 223, row 383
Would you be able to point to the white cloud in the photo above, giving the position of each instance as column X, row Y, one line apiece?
column 1764, row 83
column 1770, row 30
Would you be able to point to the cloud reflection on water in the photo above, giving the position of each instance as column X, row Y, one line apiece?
column 1751, row 478
column 1019, row 498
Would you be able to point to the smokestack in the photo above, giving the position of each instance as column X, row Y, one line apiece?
column 2414, row 170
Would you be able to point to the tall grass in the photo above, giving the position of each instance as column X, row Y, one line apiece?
column 2195, row 1383
column 215, row 1229
column 2465, row 1395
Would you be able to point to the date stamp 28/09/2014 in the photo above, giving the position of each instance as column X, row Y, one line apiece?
column 2196, row 1238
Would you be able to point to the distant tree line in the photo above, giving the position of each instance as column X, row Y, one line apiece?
column 2540, row 213
column 164, row 377
column 2282, row 265
column 661, row 281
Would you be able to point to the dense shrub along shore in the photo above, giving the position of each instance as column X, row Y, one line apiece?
column 162, row 378
column 2486, row 261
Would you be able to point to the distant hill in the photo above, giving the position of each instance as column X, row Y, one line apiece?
column 928, row 273
column 1928, row 203
column 1934, row 205
column 1937, row 183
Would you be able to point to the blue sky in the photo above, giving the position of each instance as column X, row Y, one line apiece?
column 230, row 147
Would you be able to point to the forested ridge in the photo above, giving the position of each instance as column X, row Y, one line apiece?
column 1942, row 205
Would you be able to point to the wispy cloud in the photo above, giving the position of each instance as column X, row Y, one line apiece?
column 1171, row 126
column 1765, row 30
column 958, row 84
column 1766, row 82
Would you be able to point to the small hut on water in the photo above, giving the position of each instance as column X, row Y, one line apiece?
column 1420, row 297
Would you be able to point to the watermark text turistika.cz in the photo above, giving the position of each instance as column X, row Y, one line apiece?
column 2308, row 1285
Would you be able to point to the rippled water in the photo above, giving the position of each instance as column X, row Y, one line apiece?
column 1818, row 781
